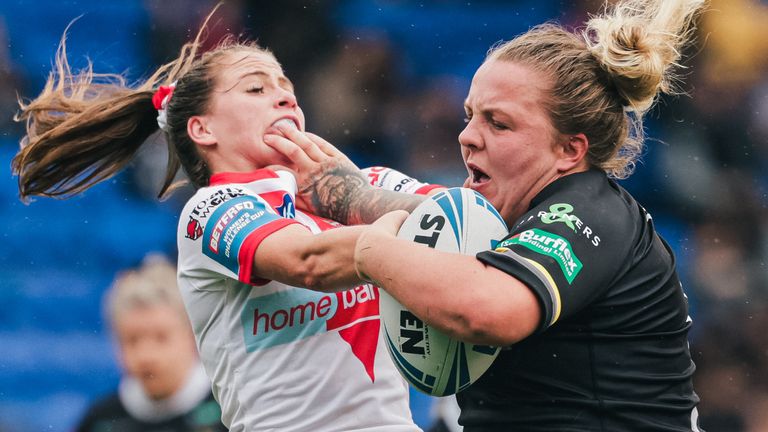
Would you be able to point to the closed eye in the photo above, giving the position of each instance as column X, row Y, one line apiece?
column 255, row 90
column 498, row 126
column 489, row 118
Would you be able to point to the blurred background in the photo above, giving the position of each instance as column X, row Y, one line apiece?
column 384, row 81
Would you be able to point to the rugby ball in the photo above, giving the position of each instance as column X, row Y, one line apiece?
column 456, row 220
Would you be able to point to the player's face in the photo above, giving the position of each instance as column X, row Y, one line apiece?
column 156, row 347
column 508, row 144
column 250, row 95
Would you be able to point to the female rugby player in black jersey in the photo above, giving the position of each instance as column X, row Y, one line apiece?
column 583, row 292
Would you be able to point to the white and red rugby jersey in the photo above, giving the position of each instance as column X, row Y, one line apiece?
column 280, row 357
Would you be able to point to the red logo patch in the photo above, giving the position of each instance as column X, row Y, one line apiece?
column 194, row 229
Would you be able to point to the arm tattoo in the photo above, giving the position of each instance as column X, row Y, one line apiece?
column 343, row 194
column 376, row 202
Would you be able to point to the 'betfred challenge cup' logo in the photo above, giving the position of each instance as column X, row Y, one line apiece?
column 289, row 316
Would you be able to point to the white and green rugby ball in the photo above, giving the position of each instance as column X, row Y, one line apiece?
column 456, row 220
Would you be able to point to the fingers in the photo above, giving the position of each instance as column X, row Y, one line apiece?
column 289, row 149
column 326, row 147
column 392, row 221
column 280, row 168
column 303, row 141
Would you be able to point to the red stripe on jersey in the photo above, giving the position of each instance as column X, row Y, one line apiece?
column 241, row 177
column 427, row 189
column 248, row 250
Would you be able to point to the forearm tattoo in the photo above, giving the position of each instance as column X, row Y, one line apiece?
column 376, row 202
column 343, row 194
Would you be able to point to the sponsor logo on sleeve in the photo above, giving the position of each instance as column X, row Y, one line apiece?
column 230, row 225
column 374, row 174
column 551, row 245
column 204, row 207
column 289, row 316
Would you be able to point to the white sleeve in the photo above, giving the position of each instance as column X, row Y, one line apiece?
column 393, row 180
column 220, row 230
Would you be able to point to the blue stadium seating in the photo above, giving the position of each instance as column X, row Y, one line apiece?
column 59, row 257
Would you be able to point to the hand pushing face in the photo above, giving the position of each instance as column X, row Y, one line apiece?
column 251, row 98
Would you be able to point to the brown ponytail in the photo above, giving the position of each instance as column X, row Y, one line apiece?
column 80, row 130
column 84, row 128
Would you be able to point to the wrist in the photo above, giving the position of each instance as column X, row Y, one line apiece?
column 364, row 252
column 336, row 194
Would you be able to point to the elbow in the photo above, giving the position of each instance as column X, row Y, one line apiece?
column 496, row 328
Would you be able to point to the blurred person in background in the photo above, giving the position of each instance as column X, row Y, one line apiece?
column 164, row 387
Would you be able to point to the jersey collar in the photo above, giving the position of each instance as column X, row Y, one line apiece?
column 592, row 175
column 222, row 178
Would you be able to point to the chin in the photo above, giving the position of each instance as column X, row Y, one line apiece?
column 156, row 390
column 157, row 393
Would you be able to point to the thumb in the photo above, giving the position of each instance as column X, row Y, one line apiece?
column 391, row 221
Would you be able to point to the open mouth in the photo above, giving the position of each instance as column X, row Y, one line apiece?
column 286, row 122
column 478, row 176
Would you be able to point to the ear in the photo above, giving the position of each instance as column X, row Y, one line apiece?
column 572, row 152
column 198, row 130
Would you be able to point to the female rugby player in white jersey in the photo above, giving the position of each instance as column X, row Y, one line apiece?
column 280, row 356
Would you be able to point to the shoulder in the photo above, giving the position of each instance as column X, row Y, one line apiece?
column 107, row 408
column 587, row 204
column 208, row 198
column 209, row 201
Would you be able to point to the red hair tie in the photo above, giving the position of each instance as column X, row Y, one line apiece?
column 160, row 101
column 159, row 98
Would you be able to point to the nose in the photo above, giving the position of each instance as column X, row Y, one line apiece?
column 470, row 136
column 286, row 99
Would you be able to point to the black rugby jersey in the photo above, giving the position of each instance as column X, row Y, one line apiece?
column 611, row 353
column 110, row 415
